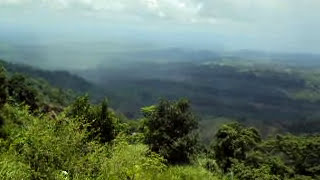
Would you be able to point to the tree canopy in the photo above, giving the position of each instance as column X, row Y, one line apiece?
column 170, row 130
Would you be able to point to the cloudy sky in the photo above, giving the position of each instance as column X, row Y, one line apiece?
column 270, row 25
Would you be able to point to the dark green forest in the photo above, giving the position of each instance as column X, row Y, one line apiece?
column 57, row 125
column 274, row 97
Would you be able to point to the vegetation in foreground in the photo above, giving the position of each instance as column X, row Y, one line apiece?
column 42, row 138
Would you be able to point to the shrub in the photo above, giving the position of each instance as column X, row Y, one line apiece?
column 51, row 146
column 187, row 172
column 12, row 168
column 129, row 161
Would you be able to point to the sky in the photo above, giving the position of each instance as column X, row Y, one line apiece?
column 267, row 25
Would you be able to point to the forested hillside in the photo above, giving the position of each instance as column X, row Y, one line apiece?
column 49, row 133
column 63, row 80
column 271, row 95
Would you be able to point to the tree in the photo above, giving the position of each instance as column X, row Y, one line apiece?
column 96, row 118
column 233, row 142
column 22, row 92
column 170, row 130
column 104, row 125
column 3, row 83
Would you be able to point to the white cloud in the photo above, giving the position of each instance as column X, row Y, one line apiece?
column 257, row 19
column 258, row 13
column 180, row 10
column 184, row 10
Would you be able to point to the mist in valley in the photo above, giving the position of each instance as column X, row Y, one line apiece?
column 85, row 34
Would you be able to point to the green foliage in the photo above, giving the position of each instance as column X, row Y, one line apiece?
column 12, row 168
column 105, row 125
column 51, row 98
column 129, row 161
column 234, row 141
column 3, row 95
column 170, row 130
column 21, row 91
column 27, row 85
column 248, row 173
column 60, row 79
column 189, row 173
column 37, row 94
column 45, row 146
column 3, row 83
column 241, row 151
column 302, row 153
column 3, row 92
column 98, row 119
column 40, row 147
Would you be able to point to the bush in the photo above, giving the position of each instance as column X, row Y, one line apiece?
column 188, row 172
column 13, row 168
column 249, row 173
column 50, row 146
column 129, row 161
